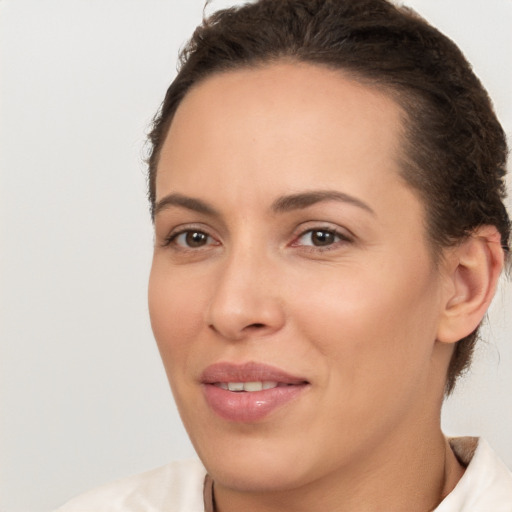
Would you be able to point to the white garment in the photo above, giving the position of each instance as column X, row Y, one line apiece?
column 486, row 486
column 175, row 487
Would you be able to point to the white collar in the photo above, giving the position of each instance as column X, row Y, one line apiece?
column 486, row 485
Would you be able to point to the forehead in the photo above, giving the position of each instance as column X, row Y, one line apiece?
column 282, row 118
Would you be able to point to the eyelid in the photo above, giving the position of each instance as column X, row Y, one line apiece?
column 314, row 225
column 345, row 236
column 185, row 228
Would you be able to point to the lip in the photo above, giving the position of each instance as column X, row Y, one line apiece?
column 248, row 407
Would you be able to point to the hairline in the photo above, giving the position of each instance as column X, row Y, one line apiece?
column 400, row 95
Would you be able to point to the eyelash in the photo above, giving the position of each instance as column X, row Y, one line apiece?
column 171, row 239
column 341, row 238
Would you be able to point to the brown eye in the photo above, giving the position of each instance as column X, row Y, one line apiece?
column 196, row 238
column 192, row 239
column 319, row 238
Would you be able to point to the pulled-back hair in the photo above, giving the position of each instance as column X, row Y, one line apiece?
column 454, row 149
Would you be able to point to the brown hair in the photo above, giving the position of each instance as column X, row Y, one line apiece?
column 454, row 147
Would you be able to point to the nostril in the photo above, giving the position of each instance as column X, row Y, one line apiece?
column 256, row 326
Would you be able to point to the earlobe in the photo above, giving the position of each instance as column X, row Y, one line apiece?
column 474, row 268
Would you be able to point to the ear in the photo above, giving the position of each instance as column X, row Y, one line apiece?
column 473, row 269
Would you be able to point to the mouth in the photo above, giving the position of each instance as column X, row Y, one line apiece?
column 250, row 392
column 250, row 387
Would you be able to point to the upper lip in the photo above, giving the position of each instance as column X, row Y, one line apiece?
column 247, row 372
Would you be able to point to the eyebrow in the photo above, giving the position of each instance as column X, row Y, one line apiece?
column 190, row 203
column 305, row 199
column 282, row 204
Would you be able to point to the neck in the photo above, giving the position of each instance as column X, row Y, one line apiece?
column 400, row 475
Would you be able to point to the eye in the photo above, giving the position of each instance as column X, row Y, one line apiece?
column 321, row 238
column 190, row 239
column 318, row 237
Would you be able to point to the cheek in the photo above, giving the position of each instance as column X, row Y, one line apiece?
column 373, row 341
column 176, row 310
column 372, row 324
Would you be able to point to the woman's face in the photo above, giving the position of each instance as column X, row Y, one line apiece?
column 291, row 262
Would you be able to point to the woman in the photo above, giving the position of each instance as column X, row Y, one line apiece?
column 326, row 182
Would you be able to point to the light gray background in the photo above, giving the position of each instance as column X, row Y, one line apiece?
column 84, row 399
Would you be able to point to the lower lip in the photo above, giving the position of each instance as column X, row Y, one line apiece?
column 248, row 407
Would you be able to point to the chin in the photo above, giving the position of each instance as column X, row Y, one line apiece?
column 257, row 463
column 265, row 474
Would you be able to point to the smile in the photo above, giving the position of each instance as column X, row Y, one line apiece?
column 250, row 387
column 248, row 393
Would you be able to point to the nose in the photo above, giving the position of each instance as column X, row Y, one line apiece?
column 246, row 300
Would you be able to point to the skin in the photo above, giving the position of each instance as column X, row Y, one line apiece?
column 359, row 318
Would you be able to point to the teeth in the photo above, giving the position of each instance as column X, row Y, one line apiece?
column 247, row 386
column 253, row 386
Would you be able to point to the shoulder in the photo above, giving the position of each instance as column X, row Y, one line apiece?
column 177, row 486
column 486, row 484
